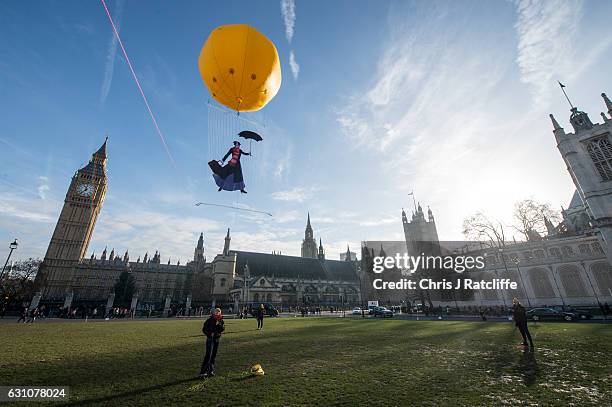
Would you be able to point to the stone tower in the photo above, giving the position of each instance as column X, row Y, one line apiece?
column 321, row 254
column 198, row 255
column 309, row 245
column 588, row 156
column 420, row 233
column 75, row 225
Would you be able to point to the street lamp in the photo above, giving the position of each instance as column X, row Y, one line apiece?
column 517, row 261
column 12, row 246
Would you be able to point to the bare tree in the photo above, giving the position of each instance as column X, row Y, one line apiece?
column 480, row 227
column 18, row 283
column 529, row 216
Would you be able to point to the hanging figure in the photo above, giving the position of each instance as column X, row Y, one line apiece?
column 229, row 177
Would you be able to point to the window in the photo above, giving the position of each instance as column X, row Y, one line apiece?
column 262, row 282
column 600, row 150
column 584, row 249
column 539, row 254
column 596, row 248
column 554, row 251
column 567, row 251
column 222, row 282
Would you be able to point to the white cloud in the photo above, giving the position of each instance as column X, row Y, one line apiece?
column 43, row 187
column 297, row 194
column 18, row 208
column 111, row 53
column 295, row 67
column 288, row 12
column 546, row 33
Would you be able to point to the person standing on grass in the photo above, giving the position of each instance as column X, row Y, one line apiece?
column 213, row 328
column 520, row 319
column 259, row 314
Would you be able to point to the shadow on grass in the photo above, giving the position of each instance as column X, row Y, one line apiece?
column 131, row 393
column 527, row 366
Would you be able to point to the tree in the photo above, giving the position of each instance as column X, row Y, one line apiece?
column 18, row 281
column 124, row 290
column 479, row 227
column 529, row 216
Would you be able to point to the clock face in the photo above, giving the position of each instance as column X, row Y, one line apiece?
column 85, row 190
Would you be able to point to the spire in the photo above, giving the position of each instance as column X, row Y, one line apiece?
column 608, row 103
column 430, row 214
column 101, row 153
column 201, row 241
column 112, row 255
column 555, row 123
column 226, row 245
column 103, row 257
column 126, row 257
column 308, row 221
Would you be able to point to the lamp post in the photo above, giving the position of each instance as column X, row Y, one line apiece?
column 517, row 261
column 501, row 254
column 12, row 246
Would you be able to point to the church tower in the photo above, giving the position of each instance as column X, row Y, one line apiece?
column 226, row 244
column 321, row 255
column 309, row 245
column 420, row 233
column 588, row 156
column 75, row 226
column 198, row 255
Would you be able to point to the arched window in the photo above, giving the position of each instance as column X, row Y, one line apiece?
column 571, row 281
column 269, row 297
column 584, row 249
column 567, row 251
column 262, row 281
column 539, row 254
column 540, row 283
column 603, row 276
column 600, row 151
column 596, row 248
column 222, row 282
column 555, row 252
column 256, row 297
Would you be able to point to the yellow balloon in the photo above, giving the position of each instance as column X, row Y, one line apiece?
column 240, row 67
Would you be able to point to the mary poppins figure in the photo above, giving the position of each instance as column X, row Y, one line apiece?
column 229, row 177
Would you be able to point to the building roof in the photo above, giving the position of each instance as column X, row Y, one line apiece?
column 576, row 201
column 264, row 264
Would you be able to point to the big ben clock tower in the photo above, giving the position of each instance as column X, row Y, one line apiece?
column 75, row 225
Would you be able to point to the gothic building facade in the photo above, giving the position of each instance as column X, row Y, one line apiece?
column 68, row 278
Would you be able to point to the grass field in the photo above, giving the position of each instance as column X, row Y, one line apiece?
column 314, row 361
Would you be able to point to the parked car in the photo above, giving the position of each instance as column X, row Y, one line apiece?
column 356, row 311
column 382, row 312
column 271, row 311
column 550, row 314
column 581, row 313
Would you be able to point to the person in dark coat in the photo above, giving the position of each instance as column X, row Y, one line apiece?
column 520, row 319
column 229, row 177
column 213, row 328
column 259, row 314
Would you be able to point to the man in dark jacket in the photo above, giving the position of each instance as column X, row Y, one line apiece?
column 259, row 314
column 213, row 328
column 520, row 319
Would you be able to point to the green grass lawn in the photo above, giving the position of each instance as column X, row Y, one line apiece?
column 314, row 361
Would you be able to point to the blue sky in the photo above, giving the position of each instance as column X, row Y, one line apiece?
column 449, row 99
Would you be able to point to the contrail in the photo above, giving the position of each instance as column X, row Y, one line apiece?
column 233, row 207
column 161, row 136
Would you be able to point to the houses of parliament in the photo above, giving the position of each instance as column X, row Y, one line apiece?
column 68, row 276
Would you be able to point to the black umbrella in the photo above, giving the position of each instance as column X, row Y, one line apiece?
column 250, row 135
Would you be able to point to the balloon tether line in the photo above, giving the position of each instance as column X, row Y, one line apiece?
column 233, row 207
column 127, row 59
